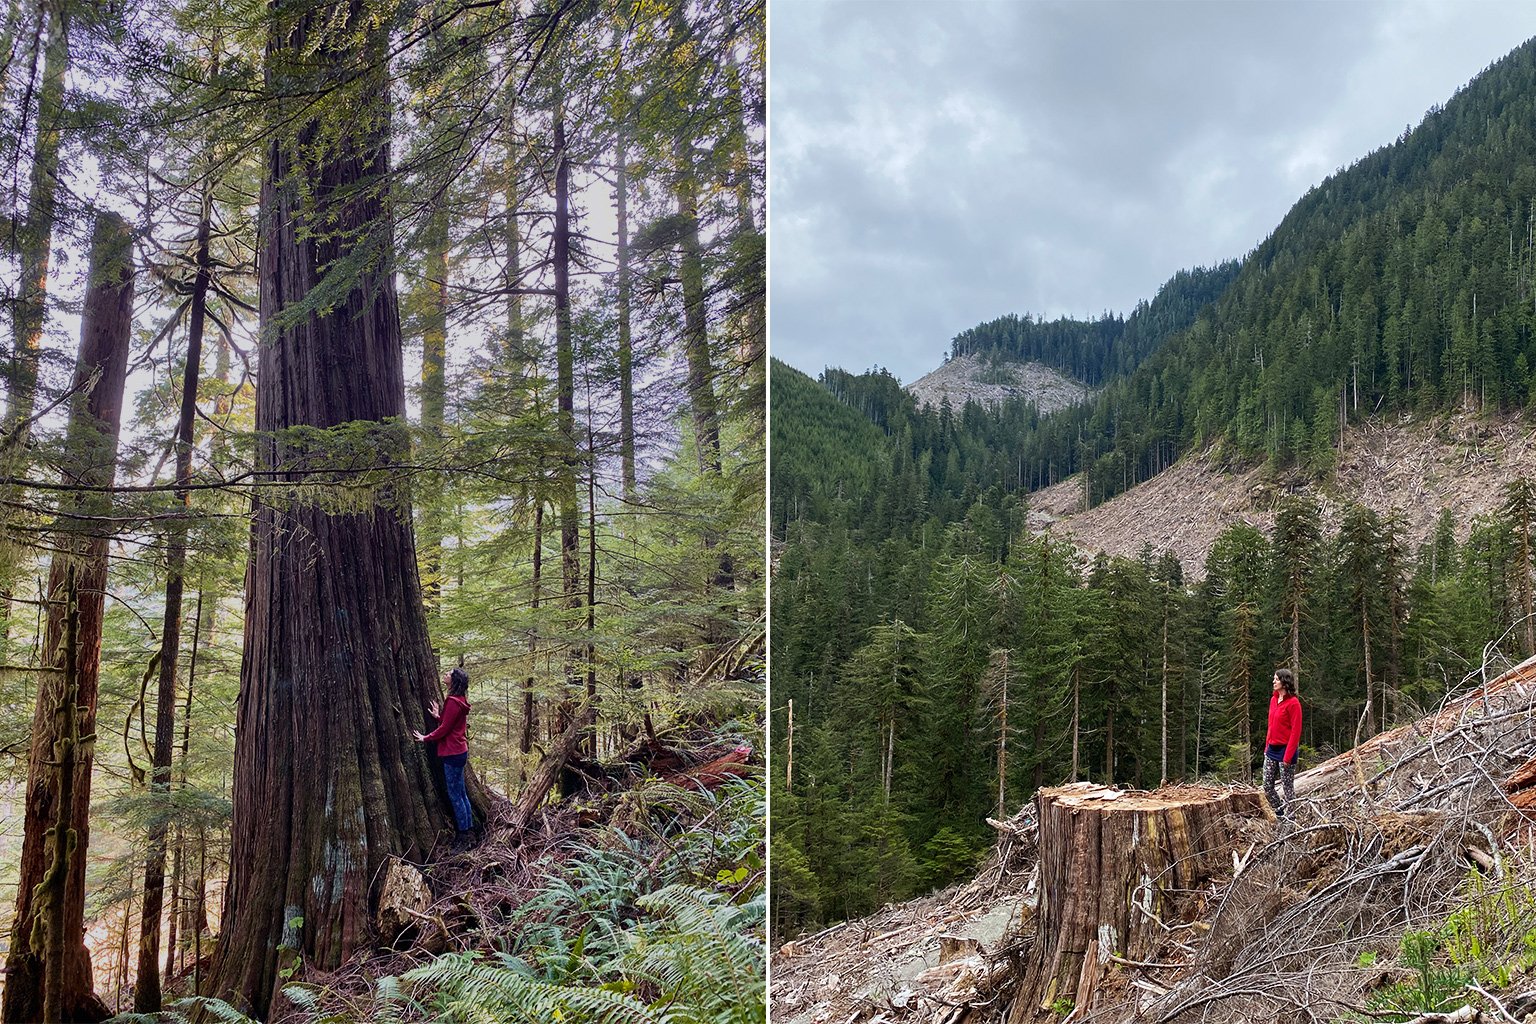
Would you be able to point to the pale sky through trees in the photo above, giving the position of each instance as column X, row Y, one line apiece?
column 935, row 165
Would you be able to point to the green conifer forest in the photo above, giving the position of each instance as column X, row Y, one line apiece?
column 914, row 613
column 344, row 345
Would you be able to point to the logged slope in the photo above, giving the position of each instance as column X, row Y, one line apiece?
column 911, row 616
column 1414, row 471
column 970, row 378
column 1307, row 923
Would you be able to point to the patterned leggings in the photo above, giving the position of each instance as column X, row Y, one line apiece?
column 1287, row 774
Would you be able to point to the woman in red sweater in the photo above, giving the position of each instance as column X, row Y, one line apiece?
column 1282, row 741
column 453, row 750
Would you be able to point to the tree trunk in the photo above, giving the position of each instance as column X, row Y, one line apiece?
column 530, row 708
column 626, row 343
column 337, row 667
column 1111, row 865
column 146, row 993
column 434, row 393
column 570, row 541
column 105, row 331
column 701, row 375
column 35, row 240
column 34, row 245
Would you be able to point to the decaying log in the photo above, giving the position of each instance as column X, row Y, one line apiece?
column 1110, row 863
column 403, row 900
column 713, row 774
column 532, row 797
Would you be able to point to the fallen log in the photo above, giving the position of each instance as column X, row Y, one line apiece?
column 1111, row 862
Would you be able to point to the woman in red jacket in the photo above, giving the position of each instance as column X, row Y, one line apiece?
column 453, row 750
column 1282, row 741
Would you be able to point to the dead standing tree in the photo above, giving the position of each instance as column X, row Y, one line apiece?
column 337, row 668
column 61, row 727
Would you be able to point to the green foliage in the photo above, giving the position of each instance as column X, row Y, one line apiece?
column 1492, row 937
column 1436, row 988
column 1400, row 287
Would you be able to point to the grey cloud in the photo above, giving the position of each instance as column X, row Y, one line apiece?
column 934, row 165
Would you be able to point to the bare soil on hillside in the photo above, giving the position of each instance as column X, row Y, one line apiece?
column 1413, row 469
column 972, row 378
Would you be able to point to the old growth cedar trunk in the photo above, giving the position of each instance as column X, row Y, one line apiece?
column 337, row 667
column 105, row 331
column 1111, row 862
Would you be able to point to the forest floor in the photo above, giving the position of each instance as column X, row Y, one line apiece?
column 1414, row 468
column 972, row 378
column 1404, row 889
column 542, row 908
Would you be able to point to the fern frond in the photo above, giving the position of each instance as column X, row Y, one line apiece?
column 470, row 989
column 203, row 1007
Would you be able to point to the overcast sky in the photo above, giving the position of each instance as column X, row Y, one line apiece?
column 935, row 165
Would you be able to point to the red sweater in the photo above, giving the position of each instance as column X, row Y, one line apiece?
column 449, row 734
column 1284, row 725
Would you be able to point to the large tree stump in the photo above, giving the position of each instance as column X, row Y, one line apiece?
column 1111, row 863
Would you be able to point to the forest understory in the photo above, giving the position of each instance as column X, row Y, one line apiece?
column 1402, row 890
column 637, row 895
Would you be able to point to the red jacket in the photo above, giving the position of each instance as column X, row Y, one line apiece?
column 449, row 734
column 1284, row 724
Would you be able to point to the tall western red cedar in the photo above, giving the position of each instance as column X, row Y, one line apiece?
column 337, row 667
column 105, row 332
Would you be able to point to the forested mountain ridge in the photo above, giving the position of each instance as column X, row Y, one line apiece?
column 944, row 661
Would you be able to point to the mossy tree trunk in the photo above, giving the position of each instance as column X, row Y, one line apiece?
column 100, row 374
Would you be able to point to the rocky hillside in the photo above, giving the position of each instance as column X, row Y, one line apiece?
column 1402, row 890
column 975, row 378
column 1412, row 468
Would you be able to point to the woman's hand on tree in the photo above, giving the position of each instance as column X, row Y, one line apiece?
column 418, row 736
column 435, row 709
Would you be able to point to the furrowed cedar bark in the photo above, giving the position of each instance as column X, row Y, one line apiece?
column 48, row 929
column 146, row 993
column 95, row 412
column 337, row 667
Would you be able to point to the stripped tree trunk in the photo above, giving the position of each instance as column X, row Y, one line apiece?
column 337, row 668
column 100, row 374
